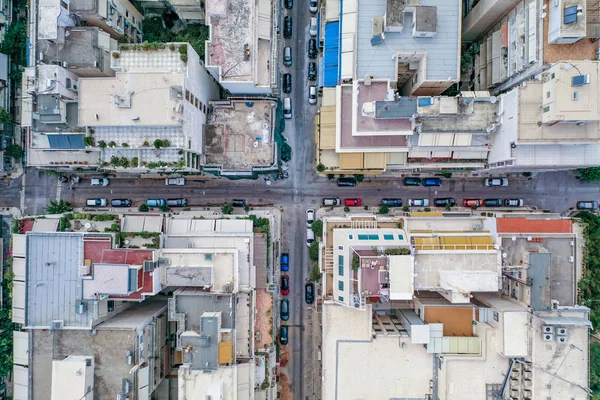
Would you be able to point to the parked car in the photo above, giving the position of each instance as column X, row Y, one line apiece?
column 312, row 94
column 287, row 27
column 418, row 202
column 392, row 202
column 432, row 182
column 283, row 335
column 346, row 182
column 285, row 285
column 288, row 4
column 120, row 203
column 312, row 71
column 472, row 202
column 513, row 202
column 175, row 181
column 352, row 202
column 312, row 6
column 96, row 202
column 284, row 310
column 492, row 203
column 287, row 83
column 587, row 205
column 287, row 56
column 312, row 48
column 287, row 108
column 331, row 202
column 443, row 201
column 238, row 203
column 310, row 216
column 177, row 202
column 100, row 182
column 310, row 236
column 285, row 259
column 312, row 31
column 156, row 202
column 495, row 182
column 412, row 181
column 309, row 292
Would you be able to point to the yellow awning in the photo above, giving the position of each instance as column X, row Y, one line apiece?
column 352, row 161
column 327, row 128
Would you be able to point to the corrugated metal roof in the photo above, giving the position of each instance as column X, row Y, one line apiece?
column 442, row 50
column 524, row 225
column 331, row 54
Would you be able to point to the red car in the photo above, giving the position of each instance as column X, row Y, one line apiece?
column 285, row 285
column 472, row 203
column 352, row 202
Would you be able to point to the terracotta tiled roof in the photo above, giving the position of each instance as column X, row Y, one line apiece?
column 524, row 225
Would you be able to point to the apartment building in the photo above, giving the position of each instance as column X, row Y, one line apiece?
column 436, row 296
column 513, row 41
column 188, row 11
column 552, row 123
column 243, row 45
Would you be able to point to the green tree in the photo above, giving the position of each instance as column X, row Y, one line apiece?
column 5, row 117
column 315, row 274
column 359, row 177
column 102, row 144
column 384, row 209
column 143, row 208
column 330, row 177
column 589, row 174
column 346, row 209
column 58, row 207
column 89, row 141
column 313, row 251
column 448, row 207
column 286, row 152
column 320, row 168
column 15, row 151
column 317, row 228
column 227, row 208
column 15, row 41
column 165, row 208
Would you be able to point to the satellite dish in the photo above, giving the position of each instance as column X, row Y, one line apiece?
column 493, row 99
column 514, row 238
column 504, row 255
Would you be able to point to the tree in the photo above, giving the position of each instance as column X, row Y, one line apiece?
column 313, row 251
column 89, row 141
column 15, row 151
column 102, row 144
column 589, row 174
column 346, row 209
column 448, row 207
column 359, row 177
column 5, row 117
column 165, row 208
column 286, row 152
column 143, row 208
column 227, row 208
column 595, row 367
column 58, row 207
column 317, row 228
column 315, row 274
column 384, row 209
column 320, row 168
column 330, row 177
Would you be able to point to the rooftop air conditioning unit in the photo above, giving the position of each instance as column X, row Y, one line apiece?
column 84, row 270
column 547, row 329
column 57, row 324
column 561, row 339
column 548, row 337
column 126, row 386
column 561, row 331
column 129, row 357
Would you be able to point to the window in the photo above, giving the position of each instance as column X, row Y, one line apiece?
column 341, row 285
column 388, row 237
column 187, row 95
column 350, row 237
column 552, row 75
column 400, row 237
column 126, row 13
column 69, row 83
column 546, row 109
column 547, row 95
column 363, row 237
column 341, row 248
column 575, row 95
column 341, row 265
column 496, row 316
column 341, row 298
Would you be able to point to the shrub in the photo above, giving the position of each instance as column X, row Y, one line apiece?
column 347, row 209
column 315, row 274
column 427, row 209
column 406, row 208
column 183, row 53
column 135, row 162
column 330, row 177
column 125, row 144
column 313, row 251
column 89, row 141
column 320, row 168
column 112, row 143
column 143, row 208
column 165, row 208
column 448, row 207
column 397, row 252
column 317, row 228
column 146, row 143
column 102, row 144
column 227, row 208
column 15, row 151
column 384, row 209
column 359, row 177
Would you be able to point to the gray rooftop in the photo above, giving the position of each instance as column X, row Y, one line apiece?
column 204, row 351
column 539, row 273
column 53, row 285
column 404, row 107
column 189, row 276
column 472, row 116
column 49, row 116
column 442, row 50
column 80, row 48
column 425, row 19
column 196, row 304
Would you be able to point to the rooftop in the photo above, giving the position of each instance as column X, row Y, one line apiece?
column 239, row 135
column 457, row 114
column 526, row 225
column 395, row 122
column 49, row 14
column 442, row 60
column 211, row 267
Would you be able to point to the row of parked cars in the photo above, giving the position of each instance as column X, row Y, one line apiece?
column 438, row 202
column 101, row 202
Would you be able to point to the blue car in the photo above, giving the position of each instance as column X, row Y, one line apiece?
column 432, row 182
column 285, row 259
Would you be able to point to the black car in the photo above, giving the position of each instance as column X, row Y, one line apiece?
column 177, row 202
column 287, row 83
column 492, row 203
column 391, row 202
column 312, row 48
column 284, row 310
column 412, row 181
column 312, row 71
column 346, row 182
column 120, row 203
column 443, row 201
column 283, row 335
column 587, row 205
column 288, row 4
column 287, row 27
column 309, row 293
column 238, row 203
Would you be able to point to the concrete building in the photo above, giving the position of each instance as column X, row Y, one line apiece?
column 119, row 18
column 552, row 123
column 159, row 99
column 531, row 342
column 188, row 11
column 242, row 46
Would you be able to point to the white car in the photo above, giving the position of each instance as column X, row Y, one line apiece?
column 100, row 181
column 496, row 182
column 96, row 202
column 310, row 217
column 174, row 181
column 312, row 6
column 418, row 202
column 513, row 202
column 313, row 27
column 312, row 94
column 310, row 236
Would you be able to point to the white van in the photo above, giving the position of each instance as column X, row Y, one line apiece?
column 313, row 27
column 287, row 108
column 310, row 236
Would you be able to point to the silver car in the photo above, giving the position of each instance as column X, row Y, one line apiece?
column 312, row 94
column 418, row 202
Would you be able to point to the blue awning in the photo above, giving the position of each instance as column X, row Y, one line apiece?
column 331, row 56
column 66, row 141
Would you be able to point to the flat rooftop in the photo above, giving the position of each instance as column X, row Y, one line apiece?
column 428, row 267
column 195, row 267
column 349, row 351
column 442, row 50
column 467, row 115
column 240, row 137
column 378, row 92
column 80, row 47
